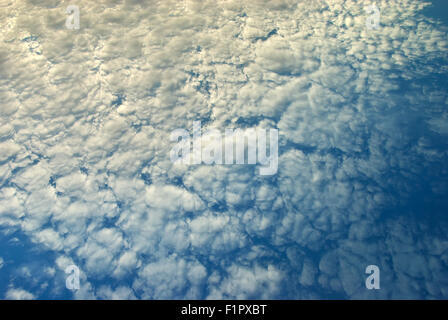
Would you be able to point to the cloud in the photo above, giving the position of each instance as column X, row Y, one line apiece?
column 19, row 294
column 85, row 123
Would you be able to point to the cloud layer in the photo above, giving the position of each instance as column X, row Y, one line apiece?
column 85, row 170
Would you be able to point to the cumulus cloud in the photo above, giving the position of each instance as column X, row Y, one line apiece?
column 85, row 171
column 19, row 294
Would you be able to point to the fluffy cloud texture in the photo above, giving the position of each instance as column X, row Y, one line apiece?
column 85, row 170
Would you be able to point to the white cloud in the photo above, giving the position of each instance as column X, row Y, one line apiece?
column 85, row 120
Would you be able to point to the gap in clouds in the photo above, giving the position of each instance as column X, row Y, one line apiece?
column 29, row 267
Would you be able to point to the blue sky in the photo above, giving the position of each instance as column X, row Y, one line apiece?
column 86, row 177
